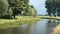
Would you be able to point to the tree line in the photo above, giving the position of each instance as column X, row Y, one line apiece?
column 53, row 7
column 9, row 8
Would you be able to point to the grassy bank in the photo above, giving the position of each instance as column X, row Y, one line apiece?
column 16, row 22
column 48, row 17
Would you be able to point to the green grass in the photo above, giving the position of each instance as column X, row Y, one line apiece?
column 52, row 17
column 16, row 22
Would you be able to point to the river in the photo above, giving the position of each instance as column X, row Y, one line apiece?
column 45, row 26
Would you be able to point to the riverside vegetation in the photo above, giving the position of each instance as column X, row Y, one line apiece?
column 16, row 22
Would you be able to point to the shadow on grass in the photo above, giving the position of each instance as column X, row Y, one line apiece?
column 7, row 18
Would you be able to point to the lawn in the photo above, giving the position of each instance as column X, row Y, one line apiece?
column 19, row 21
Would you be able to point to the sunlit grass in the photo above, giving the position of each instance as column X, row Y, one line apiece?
column 56, row 30
column 16, row 22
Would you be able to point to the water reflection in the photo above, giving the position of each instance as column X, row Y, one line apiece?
column 51, row 25
column 46, row 26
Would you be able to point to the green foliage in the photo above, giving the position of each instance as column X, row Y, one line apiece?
column 7, row 7
column 30, row 11
column 34, row 11
column 3, row 7
column 53, row 6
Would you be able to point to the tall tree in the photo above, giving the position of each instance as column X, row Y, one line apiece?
column 53, row 6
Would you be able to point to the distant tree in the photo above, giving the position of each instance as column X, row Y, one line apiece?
column 34, row 11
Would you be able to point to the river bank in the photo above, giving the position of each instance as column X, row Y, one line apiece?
column 48, row 17
column 44, row 26
column 19, row 21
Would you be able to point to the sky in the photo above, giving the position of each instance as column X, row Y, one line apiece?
column 39, row 5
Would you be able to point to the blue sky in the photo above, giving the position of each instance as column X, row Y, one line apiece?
column 39, row 5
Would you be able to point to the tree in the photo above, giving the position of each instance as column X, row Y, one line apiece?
column 54, row 6
column 34, row 11
column 9, row 8
column 48, row 3
column 3, row 8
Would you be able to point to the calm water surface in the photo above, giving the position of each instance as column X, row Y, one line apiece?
column 45, row 26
